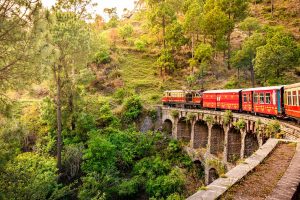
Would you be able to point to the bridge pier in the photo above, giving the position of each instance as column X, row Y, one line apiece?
column 243, row 141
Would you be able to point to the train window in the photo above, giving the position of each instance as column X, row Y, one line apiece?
column 294, row 98
column 255, row 98
column 245, row 97
column 289, row 98
column 268, row 98
column 261, row 98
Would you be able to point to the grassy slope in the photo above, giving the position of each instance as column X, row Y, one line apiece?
column 139, row 73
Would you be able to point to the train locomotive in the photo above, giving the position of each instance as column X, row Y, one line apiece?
column 275, row 101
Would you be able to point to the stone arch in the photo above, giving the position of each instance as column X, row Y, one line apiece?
column 200, row 134
column 184, row 129
column 167, row 127
column 212, row 175
column 251, row 144
column 200, row 167
column 217, row 139
column 234, row 145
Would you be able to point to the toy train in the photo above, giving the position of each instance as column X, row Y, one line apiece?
column 278, row 101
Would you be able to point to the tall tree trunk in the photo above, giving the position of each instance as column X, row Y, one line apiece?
column 193, row 48
column 71, row 100
column 164, row 30
column 229, row 51
column 164, row 41
column 58, row 116
column 252, row 75
column 272, row 8
column 238, row 76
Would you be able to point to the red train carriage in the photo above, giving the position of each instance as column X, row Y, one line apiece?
column 222, row 99
column 264, row 100
column 183, row 98
column 292, row 100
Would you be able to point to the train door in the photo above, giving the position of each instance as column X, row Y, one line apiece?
column 189, row 97
column 218, row 98
column 278, row 92
column 252, row 101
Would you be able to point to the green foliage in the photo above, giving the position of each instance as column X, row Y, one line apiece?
column 153, row 114
column 204, row 53
column 165, row 185
column 174, row 113
column 71, row 160
column 121, row 94
column 227, row 117
column 102, row 57
column 193, row 17
column 279, row 55
column 209, row 119
column 174, row 35
column 20, row 47
column 149, row 158
column 126, row 31
column 129, row 188
column 166, row 60
column 250, row 24
column 191, row 80
column 232, row 83
column 36, row 177
column 106, row 117
column 152, row 167
column 140, row 45
column 272, row 128
column 112, row 23
column 175, row 196
column 100, row 156
column 132, row 109
column 11, row 140
column 244, row 58
column 216, row 24
column 173, row 147
column 191, row 116
column 240, row 124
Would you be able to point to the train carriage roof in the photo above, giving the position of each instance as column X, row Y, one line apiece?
column 296, row 85
column 263, row 88
column 222, row 91
column 181, row 91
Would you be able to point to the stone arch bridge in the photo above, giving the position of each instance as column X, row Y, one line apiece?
column 217, row 140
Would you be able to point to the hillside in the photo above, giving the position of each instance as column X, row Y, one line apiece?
column 140, row 72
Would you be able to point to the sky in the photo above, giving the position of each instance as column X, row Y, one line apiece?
column 120, row 4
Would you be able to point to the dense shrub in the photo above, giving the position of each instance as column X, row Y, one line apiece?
column 132, row 109
column 11, row 139
column 100, row 156
column 126, row 31
column 102, row 57
column 106, row 117
column 165, row 185
column 29, row 176
column 140, row 45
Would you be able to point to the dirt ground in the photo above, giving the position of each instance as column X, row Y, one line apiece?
column 260, row 183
